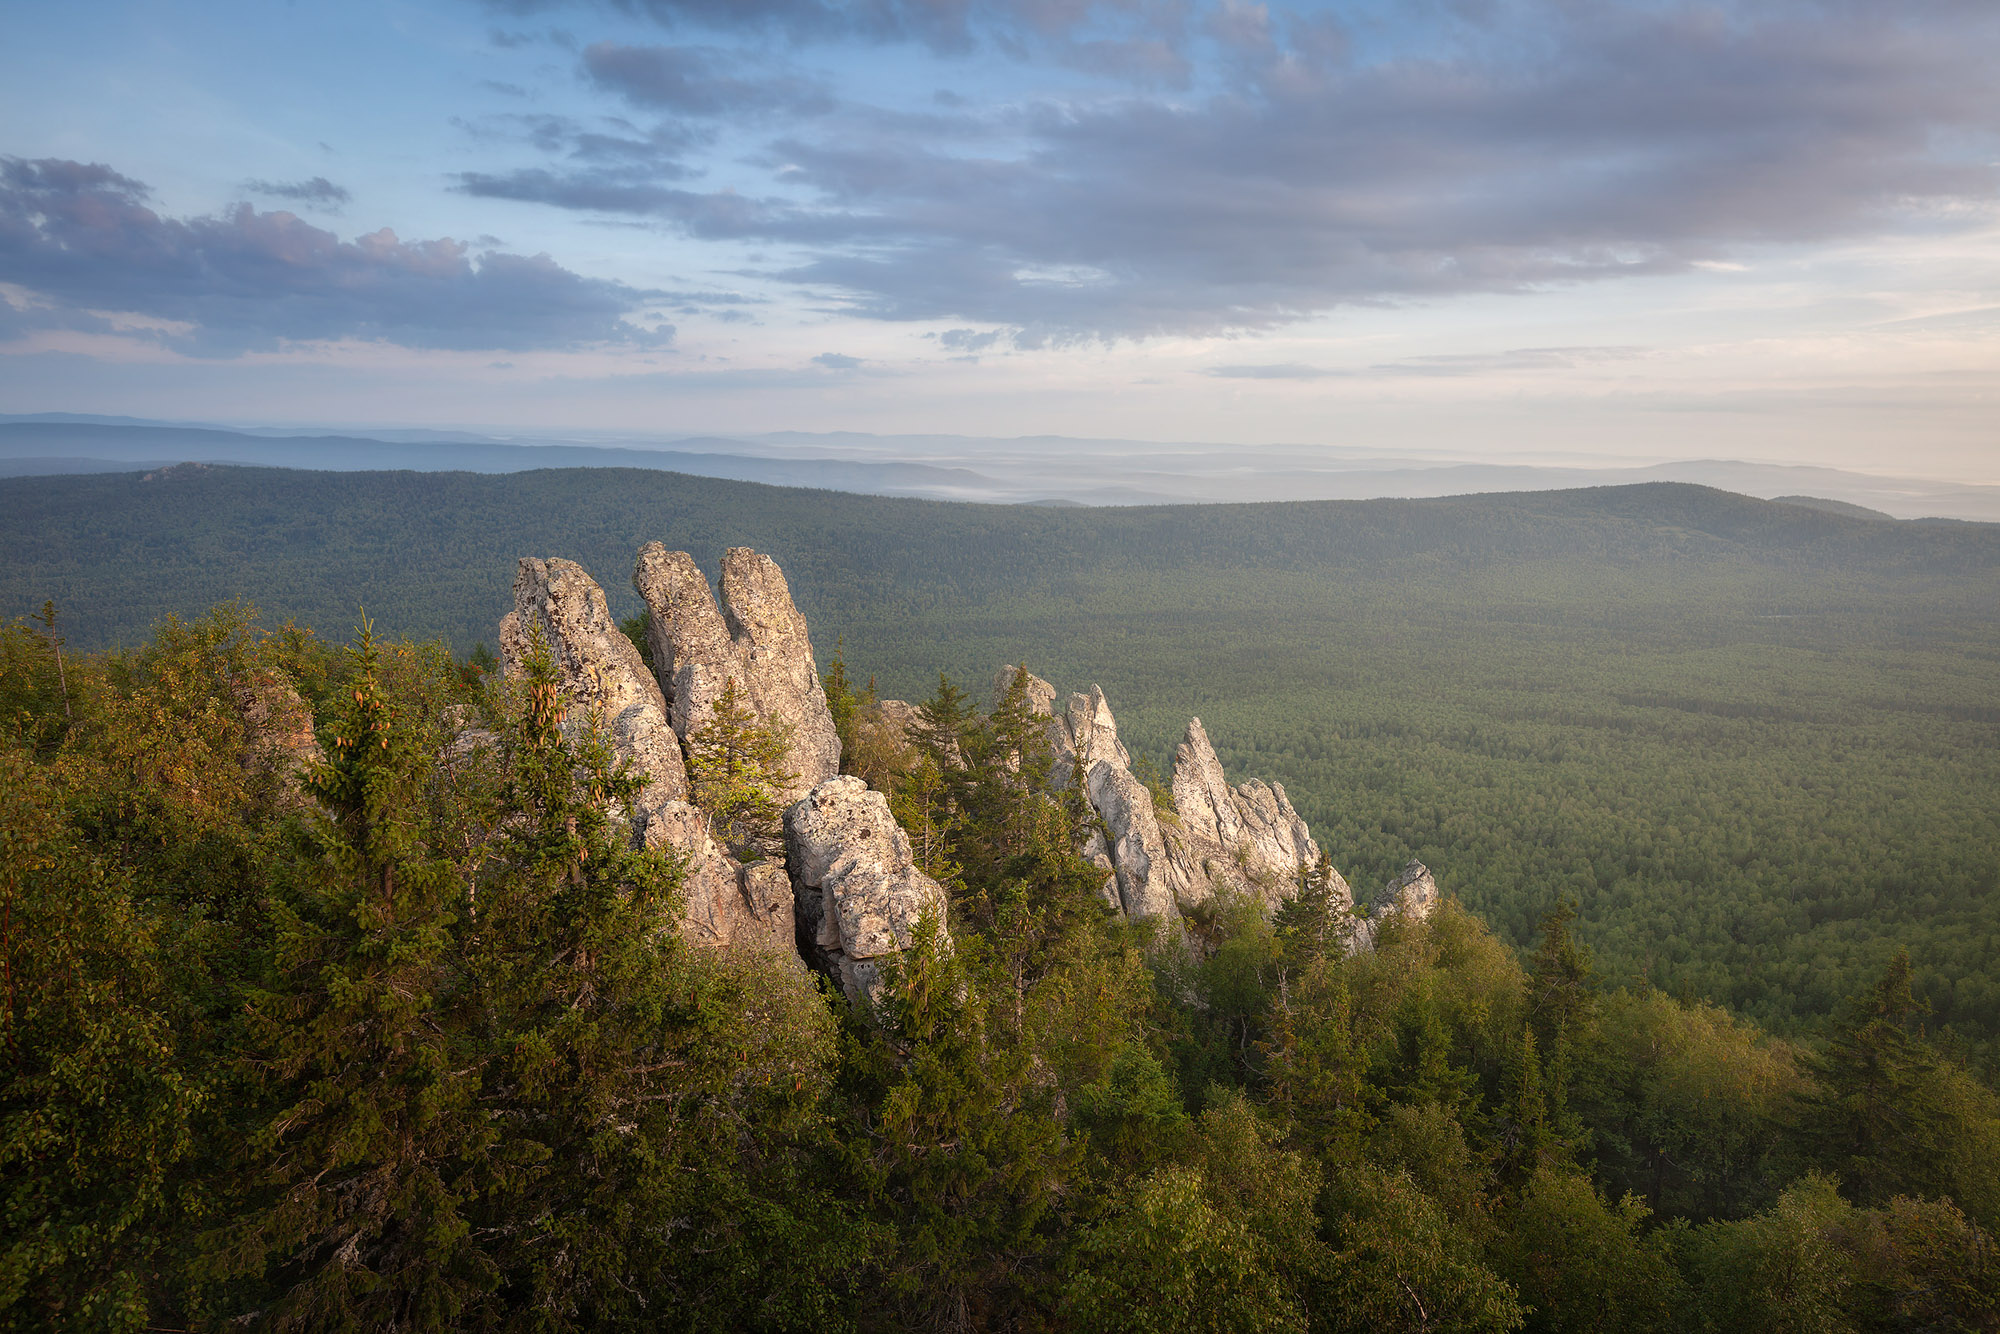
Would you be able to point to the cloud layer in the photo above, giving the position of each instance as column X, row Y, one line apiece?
column 80, row 239
column 1506, row 146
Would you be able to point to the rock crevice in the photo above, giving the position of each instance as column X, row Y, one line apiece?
column 755, row 636
column 858, row 890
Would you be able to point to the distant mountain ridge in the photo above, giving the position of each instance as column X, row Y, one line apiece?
column 1025, row 470
column 431, row 553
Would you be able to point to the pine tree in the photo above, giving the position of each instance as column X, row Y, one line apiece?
column 929, row 802
column 843, row 703
column 736, row 765
column 1313, row 1068
column 963, row 1153
column 572, row 963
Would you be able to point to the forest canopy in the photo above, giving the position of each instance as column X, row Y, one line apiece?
column 1757, row 745
column 337, row 997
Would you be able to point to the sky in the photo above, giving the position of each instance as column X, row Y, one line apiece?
column 1521, row 229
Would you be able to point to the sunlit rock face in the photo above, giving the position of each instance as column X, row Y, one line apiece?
column 602, row 675
column 755, row 636
column 859, row 893
column 1242, row 840
column 1412, row 896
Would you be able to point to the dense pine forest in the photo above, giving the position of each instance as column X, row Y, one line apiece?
column 1756, row 745
column 409, row 1040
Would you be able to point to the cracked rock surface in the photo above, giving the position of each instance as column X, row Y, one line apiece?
column 859, row 892
column 754, row 636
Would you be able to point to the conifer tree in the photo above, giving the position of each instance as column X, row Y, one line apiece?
column 843, row 703
column 736, row 765
column 359, row 1172
column 962, row 1152
column 1875, row 1120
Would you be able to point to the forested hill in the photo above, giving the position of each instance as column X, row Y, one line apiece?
column 1757, row 744
column 432, row 554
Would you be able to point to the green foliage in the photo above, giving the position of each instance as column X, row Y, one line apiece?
column 1781, row 1271
column 1921, row 1264
column 356, row 1185
column 1754, row 744
column 1169, row 1261
column 1581, row 1264
column 1401, row 1264
column 97, row 1110
column 418, row 1044
column 959, row 1149
column 736, row 766
column 1690, row 1107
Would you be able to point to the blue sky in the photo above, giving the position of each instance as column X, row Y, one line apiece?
column 1505, row 228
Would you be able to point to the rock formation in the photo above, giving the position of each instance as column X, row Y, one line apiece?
column 1132, row 833
column 1413, row 895
column 1245, row 840
column 756, row 637
column 279, row 747
column 724, row 903
column 598, row 668
column 1130, row 849
column 859, row 892
column 850, row 893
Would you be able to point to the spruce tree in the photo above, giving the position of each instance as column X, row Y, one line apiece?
column 1874, row 1120
column 736, row 766
column 359, row 1173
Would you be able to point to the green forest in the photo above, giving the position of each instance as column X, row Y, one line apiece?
column 1756, row 745
column 411, row 1042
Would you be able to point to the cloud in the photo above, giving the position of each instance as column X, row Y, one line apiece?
column 1516, row 359
column 837, row 361
column 319, row 190
column 80, row 237
column 967, row 340
column 1509, row 146
column 1458, row 363
column 1136, row 39
column 1288, row 371
column 699, row 81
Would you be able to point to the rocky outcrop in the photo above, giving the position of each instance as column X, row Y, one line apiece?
column 859, row 892
column 756, row 637
column 1132, row 834
column 1129, row 848
column 1411, row 896
column 1091, row 733
column 279, row 748
column 723, row 902
column 1244, row 840
column 599, row 669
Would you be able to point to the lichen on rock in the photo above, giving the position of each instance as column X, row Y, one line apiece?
column 859, row 893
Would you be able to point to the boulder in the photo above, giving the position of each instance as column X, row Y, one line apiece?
column 755, row 637
column 859, row 892
column 723, row 903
